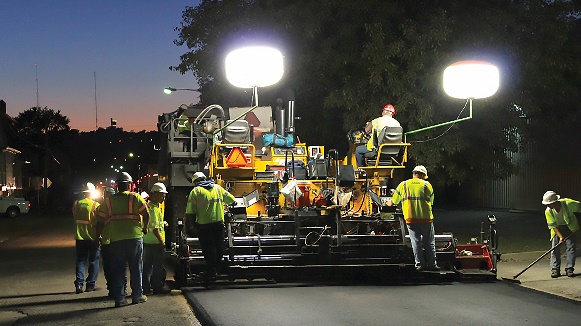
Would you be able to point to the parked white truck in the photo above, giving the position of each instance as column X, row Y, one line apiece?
column 12, row 207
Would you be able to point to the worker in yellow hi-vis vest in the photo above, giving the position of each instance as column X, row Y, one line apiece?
column 154, row 244
column 206, row 207
column 86, row 244
column 416, row 196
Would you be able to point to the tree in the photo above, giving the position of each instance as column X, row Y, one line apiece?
column 346, row 59
column 35, row 126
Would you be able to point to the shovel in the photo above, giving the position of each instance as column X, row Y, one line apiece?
column 514, row 278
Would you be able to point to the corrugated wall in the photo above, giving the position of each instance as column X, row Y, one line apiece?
column 525, row 190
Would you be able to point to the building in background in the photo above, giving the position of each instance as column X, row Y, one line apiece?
column 11, row 163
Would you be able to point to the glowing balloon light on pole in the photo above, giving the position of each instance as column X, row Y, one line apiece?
column 256, row 66
column 471, row 79
column 253, row 67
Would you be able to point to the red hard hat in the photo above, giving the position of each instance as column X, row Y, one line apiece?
column 389, row 108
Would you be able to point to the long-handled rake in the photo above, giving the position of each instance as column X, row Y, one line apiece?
column 514, row 278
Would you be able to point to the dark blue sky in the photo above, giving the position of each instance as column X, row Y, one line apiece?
column 128, row 44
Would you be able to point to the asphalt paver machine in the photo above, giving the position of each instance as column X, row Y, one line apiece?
column 302, row 212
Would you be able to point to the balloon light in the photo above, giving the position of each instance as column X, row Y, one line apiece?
column 471, row 79
column 256, row 66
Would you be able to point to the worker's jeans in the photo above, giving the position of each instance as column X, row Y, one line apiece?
column 106, row 259
column 212, row 243
column 153, row 267
column 360, row 152
column 423, row 243
column 87, row 250
column 125, row 253
column 571, row 245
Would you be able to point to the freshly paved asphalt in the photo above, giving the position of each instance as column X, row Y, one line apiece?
column 37, row 271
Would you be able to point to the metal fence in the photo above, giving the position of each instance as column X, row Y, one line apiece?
column 524, row 191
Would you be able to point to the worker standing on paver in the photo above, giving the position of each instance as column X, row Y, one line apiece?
column 128, row 219
column 561, row 220
column 417, row 198
column 206, row 207
column 86, row 244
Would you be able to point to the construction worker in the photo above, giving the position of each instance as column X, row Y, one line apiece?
column 416, row 196
column 154, row 244
column 128, row 218
column 206, row 207
column 563, row 224
column 86, row 244
column 105, row 242
column 375, row 126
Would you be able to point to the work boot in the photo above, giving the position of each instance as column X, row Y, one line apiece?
column 569, row 272
column 78, row 289
column 140, row 299
column 121, row 303
column 555, row 273
column 163, row 290
column 90, row 288
column 434, row 268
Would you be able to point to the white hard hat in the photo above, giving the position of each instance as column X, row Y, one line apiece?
column 88, row 187
column 158, row 187
column 550, row 197
column 124, row 177
column 421, row 169
column 197, row 176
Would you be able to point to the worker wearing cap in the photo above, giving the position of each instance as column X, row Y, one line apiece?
column 206, row 206
column 154, row 244
column 375, row 126
column 86, row 244
column 128, row 218
column 416, row 196
column 562, row 222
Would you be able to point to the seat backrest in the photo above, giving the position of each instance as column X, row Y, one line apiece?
column 390, row 135
column 237, row 133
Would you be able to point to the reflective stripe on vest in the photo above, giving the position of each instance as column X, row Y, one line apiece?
column 130, row 216
column 91, row 213
column 410, row 198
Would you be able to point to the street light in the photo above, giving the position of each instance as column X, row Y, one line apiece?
column 169, row 90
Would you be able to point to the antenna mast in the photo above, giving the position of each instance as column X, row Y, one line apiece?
column 36, row 76
column 95, row 79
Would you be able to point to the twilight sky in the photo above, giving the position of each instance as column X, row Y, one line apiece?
column 126, row 44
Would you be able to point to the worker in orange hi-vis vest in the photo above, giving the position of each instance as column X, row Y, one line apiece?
column 126, row 213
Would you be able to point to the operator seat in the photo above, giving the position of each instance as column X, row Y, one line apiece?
column 387, row 147
column 237, row 133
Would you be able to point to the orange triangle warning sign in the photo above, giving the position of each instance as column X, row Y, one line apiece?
column 236, row 158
